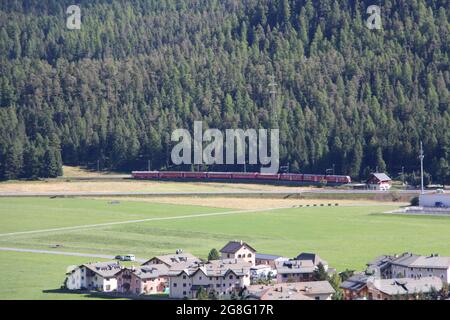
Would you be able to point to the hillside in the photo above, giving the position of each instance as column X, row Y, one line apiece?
column 116, row 89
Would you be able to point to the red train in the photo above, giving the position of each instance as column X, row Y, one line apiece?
column 288, row 178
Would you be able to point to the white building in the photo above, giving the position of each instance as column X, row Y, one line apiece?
column 435, row 200
column 222, row 277
column 99, row 276
column 412, row 266
column 262, row 272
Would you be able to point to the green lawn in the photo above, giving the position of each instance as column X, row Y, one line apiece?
column 347, row 237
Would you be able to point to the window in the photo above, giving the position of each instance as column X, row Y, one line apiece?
column 231, row 277
column 184, row 277
column 239, row 256
column 184, row 293
column 108, row 287
column 174, row 285
column 184, row 285
column 316, row 298
column 218, row 285
column 249, row 255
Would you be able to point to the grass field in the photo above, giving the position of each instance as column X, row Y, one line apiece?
column 347, row 237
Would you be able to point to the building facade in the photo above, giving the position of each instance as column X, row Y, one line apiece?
column 238, row 250
column 144, row 280
column 222, row 278
column 94, row 277
column 379, row 182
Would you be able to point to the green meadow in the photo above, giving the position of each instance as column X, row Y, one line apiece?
column 347, row 237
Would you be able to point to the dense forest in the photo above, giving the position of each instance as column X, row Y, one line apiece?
column 113, row 91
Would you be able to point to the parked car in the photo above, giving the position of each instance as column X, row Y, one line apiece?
column 128, row 257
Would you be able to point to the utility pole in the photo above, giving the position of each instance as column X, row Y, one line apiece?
column 149, row 165
column 98, row 165
column 334, row 169
column 403, row 175
column 273, row 99
column 422, row 157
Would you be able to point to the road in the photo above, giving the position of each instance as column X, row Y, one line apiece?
column 63, row 253
column 201, row 194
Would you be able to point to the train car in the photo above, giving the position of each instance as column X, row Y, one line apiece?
column 314, row 178
column 265, row 176
column 145, row 175
column 311, row 179
column 171, row 175
column 195, row 175
column 291, row 177
column 219, row 175
column 244, row 176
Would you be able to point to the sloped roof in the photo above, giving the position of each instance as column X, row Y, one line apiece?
column 380, row 176
column 295, row 266
column 415, row 261
column 316, row 260
column 150, row 271
column 235, row 246
column 290, row 291
column 407, row 285
column 104, row 269
column 356, row 282
column 263, row 256
column 216, row 268
column 172, row 259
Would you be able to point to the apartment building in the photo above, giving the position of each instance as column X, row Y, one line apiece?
column 221, row 277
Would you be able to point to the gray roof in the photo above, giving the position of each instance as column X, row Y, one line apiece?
column 104, row 269
column 172, row 259
column 150, row 271
column 381, row 176
column 263, row 256
column 235, row 246
column 410, row 260
column 407, row 285
column 215, row 268
column 381, row 262
column 295, row 266
column 290, row 291
column 356, row 282
column 316, row 260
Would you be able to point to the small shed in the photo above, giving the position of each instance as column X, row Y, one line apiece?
column 379, row 181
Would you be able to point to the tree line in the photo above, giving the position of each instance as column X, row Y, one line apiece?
column 112, row 93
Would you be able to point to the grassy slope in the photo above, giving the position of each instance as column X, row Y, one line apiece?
column 347, row 237
column 23, row 214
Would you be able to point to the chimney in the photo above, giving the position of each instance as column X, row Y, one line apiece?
column 242, row 242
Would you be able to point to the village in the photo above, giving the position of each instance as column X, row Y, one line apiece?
column 239, row 272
